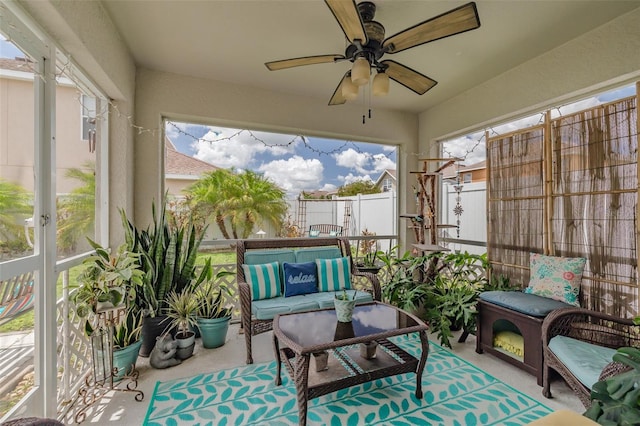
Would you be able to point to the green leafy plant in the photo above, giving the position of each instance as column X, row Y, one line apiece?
column 107, row 282
column 616, row 400
column 345, row 296
column 441, row 288
column 128, row 331
column 214, row 296
column 182, row 310
column 169, row 256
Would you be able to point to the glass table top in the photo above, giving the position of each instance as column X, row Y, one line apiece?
column 321, row 327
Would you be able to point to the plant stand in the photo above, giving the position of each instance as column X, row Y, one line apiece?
column 102, row 379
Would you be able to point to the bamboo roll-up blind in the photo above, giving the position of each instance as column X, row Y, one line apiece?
column 515, row 202
column 595, row 185
column 587, row 209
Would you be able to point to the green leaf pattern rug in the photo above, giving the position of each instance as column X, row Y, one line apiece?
column 455, row 393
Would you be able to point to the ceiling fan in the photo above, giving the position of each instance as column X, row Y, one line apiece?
column 368, row 45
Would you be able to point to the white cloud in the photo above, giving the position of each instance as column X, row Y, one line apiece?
column 350, row 178
column 363, row 162
column 294, row 174
column 328, row 187
column 225, row 147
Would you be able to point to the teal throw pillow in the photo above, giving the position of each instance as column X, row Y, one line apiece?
column 263, row 279
column 556, row 278
column 300, row 278
column 314, row 233
column 334, row 274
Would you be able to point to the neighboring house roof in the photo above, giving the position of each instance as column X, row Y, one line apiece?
column 17, row 64
column 319, row 194
column 387, row 172
column 452, row 170
column 179, row 164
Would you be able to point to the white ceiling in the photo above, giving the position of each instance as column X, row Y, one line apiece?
column 230, row 40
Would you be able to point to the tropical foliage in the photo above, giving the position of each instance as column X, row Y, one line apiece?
column 440, row 287
column 238, row 201
column 168, row 258
column 15, row 206
column 76, row 211
column 358, row 187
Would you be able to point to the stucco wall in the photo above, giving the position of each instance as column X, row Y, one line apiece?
column 606, row 56
column 161, row 94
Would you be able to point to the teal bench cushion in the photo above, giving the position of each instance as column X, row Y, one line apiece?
column 310, row 254
column 266, row 309
column 526, row 303
column 584, row 360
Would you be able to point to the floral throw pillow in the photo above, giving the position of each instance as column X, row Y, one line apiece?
column 557, row 278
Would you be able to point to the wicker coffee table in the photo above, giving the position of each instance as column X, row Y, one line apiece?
column 300, row 337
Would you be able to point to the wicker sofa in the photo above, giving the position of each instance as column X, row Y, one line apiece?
column 578, row 344
column 257, row 315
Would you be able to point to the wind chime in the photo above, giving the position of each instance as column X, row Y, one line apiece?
column 458, row 210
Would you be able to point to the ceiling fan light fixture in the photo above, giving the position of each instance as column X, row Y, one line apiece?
column 349, row 90
column 360, row 71
column 380, row 85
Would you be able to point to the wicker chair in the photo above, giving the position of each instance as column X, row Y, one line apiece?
column 253, row 326
column 588, row 326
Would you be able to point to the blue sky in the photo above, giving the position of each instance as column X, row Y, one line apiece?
column 293, row 162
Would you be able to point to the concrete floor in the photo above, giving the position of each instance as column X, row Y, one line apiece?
column 121, row 408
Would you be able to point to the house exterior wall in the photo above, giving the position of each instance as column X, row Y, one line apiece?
column 16, row 136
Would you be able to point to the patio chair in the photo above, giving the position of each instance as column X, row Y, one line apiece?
column 16, row 296
column 578, row 344
column 326, row 230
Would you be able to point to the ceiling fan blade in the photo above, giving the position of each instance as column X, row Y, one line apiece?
column 455, row 21
column 409, row 78
column 347, row 15
column 337, row 98
column 305, row 60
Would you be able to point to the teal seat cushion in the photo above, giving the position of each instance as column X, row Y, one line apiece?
column 310, row 254
column 526, row 303
column 584, row 360
column 266, row 309
column 325, row 298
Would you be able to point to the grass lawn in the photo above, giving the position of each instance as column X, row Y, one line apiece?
column 25, row 321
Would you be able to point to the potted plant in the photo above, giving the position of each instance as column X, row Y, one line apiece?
column 182, row 310
column 126, row 343
column 214, row 310
column 371, row 260
column 107, row 282
column 344, row 305
column 168, row 254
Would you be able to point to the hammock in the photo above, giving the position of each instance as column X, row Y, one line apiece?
column 16, row 296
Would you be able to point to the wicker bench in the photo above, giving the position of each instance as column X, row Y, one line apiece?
column 257, row 316
column 524, row 311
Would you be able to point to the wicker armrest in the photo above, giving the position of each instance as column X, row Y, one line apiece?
column 590, row 326
column 374, row 283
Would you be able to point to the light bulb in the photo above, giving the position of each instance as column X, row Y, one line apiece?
column 360, row 71
column 349, row 90
column 380, row 84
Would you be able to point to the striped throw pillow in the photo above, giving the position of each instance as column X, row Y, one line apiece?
column 264, row 280
column 334, row 274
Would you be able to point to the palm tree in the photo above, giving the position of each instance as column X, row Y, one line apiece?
column 15, row 205
column 260, row 200
column 239, row 201
column 76, row 212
